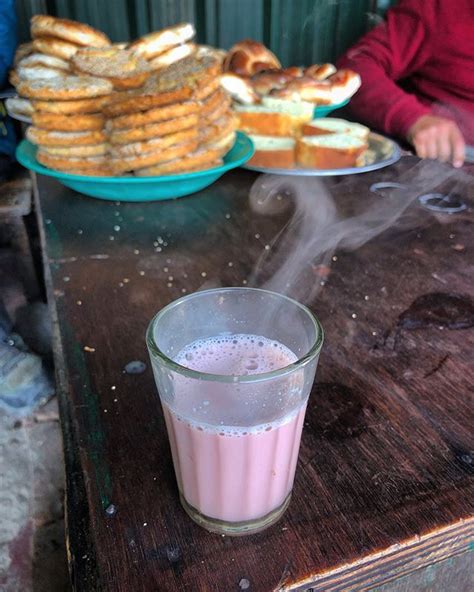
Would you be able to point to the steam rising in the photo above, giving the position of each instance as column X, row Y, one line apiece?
column 304, row 247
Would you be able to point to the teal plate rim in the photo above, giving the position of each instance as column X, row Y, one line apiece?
column 26, row 156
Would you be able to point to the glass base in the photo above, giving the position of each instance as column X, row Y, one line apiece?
column 235, row 528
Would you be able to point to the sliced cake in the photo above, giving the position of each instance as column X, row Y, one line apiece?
column 333, row 125
column 331, row 151
column 273, row 152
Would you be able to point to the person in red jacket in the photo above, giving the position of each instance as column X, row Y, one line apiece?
column 417, row 71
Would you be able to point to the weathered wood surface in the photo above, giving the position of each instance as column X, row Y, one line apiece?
column 384, row 483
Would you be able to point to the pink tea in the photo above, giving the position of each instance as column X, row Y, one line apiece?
column 233, row 469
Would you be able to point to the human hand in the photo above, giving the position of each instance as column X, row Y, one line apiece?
column 439, row 138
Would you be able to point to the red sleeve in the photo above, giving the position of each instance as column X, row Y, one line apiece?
column 392, row 51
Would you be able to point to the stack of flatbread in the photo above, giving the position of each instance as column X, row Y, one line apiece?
column 48, row 55
column 152, row 107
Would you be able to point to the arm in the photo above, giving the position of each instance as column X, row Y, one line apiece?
column 392, row 51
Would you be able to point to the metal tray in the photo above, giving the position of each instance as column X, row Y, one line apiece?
column 381, row 153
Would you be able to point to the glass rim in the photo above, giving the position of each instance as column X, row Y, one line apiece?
column 154, row 350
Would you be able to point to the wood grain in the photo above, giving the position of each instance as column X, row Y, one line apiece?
column 384, row 483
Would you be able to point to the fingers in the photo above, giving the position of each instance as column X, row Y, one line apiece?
column 442, row 141
column 458, row 147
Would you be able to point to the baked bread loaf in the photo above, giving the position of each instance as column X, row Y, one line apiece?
column 331, row 151
column 333, row 125
column 43, row 137
column 72, row 107
column 273, row 152
column 64, row 89
column 136, row 162
column 39, row 72
column 153, row 145
column 320, row 71
column 277, row 118
column 22, row 51
column 248, row 57
column 335, row 89
column 122, row 67
column 154, row 115
column 43, row 25
column 47, row 61
column 173, row 55
column 156, row 43
column 19, row 106
column 55, row 47
column 200, row 159
column 68, row 123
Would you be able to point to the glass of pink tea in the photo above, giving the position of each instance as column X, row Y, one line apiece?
column 234, row 369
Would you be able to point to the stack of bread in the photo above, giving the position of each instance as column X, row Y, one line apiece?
column 285, row 135
column 152, row 107
column 252, row 72
column 48, row 55
column 179, row 121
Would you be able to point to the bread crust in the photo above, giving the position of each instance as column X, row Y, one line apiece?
column 173, row 55
column 218, row 129
column 43, row 137
column 77, row 151
column 277, row 159
column 323, row 157
column 153, row 130
column 131, row 163
column 43, row 25
column 198, row 160
column 55, row 47
column 64, row 89
column 154, row 115
column 92, row 105
column 143, row 102
column 248, row 57
column 20, row 106
column 41, row 59
column 160, row 143
column 68, row 123
column 39, row 72
column 158, row 42
column 23, row 50
column 61, row 163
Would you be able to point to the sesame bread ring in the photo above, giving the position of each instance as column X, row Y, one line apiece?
column 23, row 50
column 130, row 163
column 14, row 79
column 123, row 67
column 142, row 102
column 93, row 105
column 55, row 47
column 47, row 138
column 154, row 115
column 158, row 42
column 99, row 171
column 220, row 111
column 194, row 160
column 139, row 148
column 68, row 123
column 19, row 106
column 212, row 103
column 218, row 129
column 152, row 130
column 172, row 56
column 223, row 144
column 77, row 151
column 203, row 91
column 64, row 89
column 40, row 59
column 39, row 72
column 43, row 25
column 61, row 163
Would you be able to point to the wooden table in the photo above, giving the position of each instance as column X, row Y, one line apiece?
column 384, row 483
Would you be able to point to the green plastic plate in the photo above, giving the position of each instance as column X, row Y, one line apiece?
column 324, row 110
column 140, row 188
